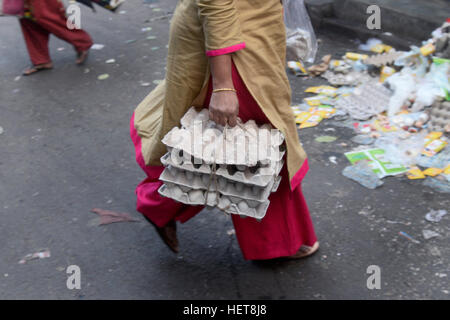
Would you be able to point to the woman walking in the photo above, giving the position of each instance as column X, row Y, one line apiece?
column 228, row 56
column 43, row 18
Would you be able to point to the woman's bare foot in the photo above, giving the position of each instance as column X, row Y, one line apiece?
column 305, row 251
column 37, row 68
column 81, row 57
column 168, row 234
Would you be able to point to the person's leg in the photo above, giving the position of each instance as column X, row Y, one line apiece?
column 285, row 228
column 36, row 40
column 287, row 224
column 50, row 15
column 150, row 203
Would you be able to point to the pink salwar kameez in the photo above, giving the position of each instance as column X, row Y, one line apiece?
column 287, row 224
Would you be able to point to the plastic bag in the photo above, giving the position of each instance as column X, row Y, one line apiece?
column 371, row 43
column 404, row 85
column 401, row 151
column 300, row 37
column 362, row 173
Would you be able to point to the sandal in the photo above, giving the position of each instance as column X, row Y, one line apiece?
column 81, row 57
column 305, row 251
column 37, row 68
column 167, row 234
column 116, row 4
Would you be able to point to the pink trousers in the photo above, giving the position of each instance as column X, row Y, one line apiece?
column 287, row 224
column 49, row 18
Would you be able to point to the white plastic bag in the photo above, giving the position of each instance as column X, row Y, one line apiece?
column 301, row 40
column 404, row 85
column 433, row 86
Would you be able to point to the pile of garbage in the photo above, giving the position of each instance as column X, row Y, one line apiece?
column 233, row 169
column 398, row 104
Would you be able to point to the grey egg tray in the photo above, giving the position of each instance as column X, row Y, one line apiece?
column 440, row 115
column 213, row 154
column 383, row 59
column 187, row 180
column 365, row 101
column 257, row 176
column 350, row 79
column 212, row 143
column 443, row 46
column 229, row 204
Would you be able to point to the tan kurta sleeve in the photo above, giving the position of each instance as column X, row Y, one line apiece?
column 221, row 26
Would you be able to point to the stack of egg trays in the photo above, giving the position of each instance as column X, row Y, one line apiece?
column 240, row 190
column 237, row 189
column 260, row 175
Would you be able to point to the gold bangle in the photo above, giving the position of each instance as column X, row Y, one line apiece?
column 224, row 89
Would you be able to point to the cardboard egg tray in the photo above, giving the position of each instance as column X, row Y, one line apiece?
column 212, row 143
column 237, row 156
column 229, row 204
column 365, row 101
column 258, row 175
column 187, row 180
column 350, row 79
column 443, row 46
column 383, row 59
column 233, row 169
column 440, row 115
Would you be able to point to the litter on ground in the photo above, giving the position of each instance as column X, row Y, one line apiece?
column 398, row 104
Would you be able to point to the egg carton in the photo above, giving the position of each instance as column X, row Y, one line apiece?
column 237, row 151
column 188, row 180
column 192, row 117
column 212, row 143
column 440, row 116
column 237, row 157
column 257, row 175
column 383, row 59
column 365, row 101
column 443, row 46
column 350, row 79
column 229, row 204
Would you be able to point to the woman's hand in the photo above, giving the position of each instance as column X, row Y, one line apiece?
column 224, row 108
column 224, row 105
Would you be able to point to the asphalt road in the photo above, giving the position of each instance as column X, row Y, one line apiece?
column 65, row 149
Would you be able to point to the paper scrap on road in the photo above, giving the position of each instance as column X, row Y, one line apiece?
column 108, row 216
column 41, row 254
column 97, row 46
column 435, row 215
column 377, row 162
column 407, row 236
column 103, row 76
column 326, row 139
column 428, row 234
